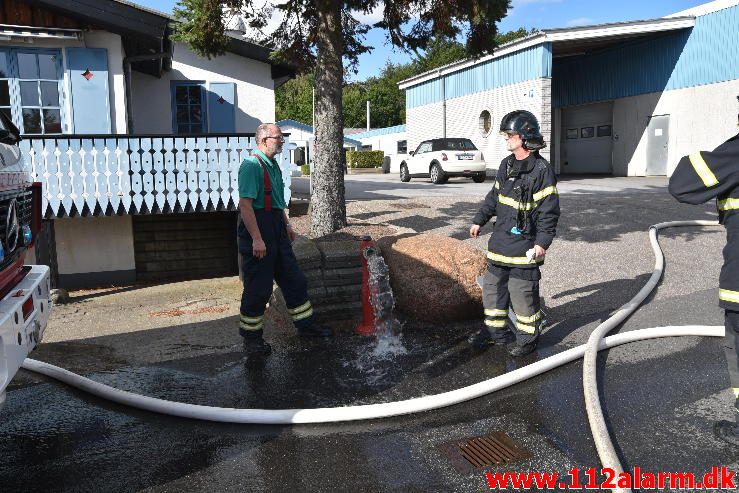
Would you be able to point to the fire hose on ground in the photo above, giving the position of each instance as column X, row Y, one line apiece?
column 595, row 343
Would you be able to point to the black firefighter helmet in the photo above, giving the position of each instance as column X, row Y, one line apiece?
column 524, row 123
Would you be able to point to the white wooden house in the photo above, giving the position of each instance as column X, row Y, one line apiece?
column 136, row 139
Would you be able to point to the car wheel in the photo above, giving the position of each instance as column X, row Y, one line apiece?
column 404, row 175
column 478, row 177
column 437, row 174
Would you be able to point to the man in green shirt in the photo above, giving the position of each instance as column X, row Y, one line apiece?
column 265, row 238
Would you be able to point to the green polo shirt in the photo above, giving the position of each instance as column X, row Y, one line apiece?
column 251, row 181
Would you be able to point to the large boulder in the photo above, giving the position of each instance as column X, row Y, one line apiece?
column 434, row 277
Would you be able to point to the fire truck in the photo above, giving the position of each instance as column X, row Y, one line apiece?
column 24, row 289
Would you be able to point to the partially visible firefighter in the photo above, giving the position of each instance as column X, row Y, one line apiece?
column 525, row 200
column 698, row 178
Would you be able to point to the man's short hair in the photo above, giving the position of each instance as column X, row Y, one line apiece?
column 262, row 131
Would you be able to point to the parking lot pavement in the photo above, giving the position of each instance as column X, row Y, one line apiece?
column 660, row 397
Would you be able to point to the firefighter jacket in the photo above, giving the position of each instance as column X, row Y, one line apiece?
column 526, row 204
column 703, row 176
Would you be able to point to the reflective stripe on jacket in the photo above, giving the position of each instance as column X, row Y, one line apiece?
column 525, row 202
column 703, row 176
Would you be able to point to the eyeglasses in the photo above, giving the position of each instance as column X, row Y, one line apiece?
column 278, row 137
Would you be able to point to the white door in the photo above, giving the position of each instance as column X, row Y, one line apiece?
column 418, row 163
column 587, row 138
column 659, row 136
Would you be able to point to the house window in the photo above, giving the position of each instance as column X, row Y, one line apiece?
column 30, row 89
column 402, row 147
column 485, row 123
column 5, row 85
column 188, row 101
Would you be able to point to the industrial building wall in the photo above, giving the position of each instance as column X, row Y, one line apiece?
column 700, row 118
column 463, row 117
column 706, row 54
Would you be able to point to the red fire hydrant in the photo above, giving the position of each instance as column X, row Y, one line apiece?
column 367, row 327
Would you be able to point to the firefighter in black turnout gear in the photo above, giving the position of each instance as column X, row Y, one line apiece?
column 698, row 178
column 524, row 198
column 265, row 238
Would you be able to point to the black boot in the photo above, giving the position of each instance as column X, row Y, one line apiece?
column 315, row 330
column 483, row 339
column 256, row 346
column 522, row 350
column 727, row 431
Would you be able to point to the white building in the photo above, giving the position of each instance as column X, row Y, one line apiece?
column 135, row 138
column 628, row 98
column 390, row 140
column 301, row 139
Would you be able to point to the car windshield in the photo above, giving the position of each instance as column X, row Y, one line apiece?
column 454, row 145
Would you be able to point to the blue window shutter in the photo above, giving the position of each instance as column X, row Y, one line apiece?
column 88, row 75
column 221, row 107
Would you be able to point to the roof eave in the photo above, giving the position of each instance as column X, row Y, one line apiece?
column 559, row 35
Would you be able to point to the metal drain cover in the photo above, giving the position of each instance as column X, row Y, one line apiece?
column 473, row 454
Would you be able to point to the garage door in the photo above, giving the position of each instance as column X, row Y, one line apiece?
column 185, row 246
column 587, row 138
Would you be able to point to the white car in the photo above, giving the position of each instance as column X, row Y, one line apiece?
column 440, row 159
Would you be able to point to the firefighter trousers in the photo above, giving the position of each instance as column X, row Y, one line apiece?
column 499, row 291
column 280, row 266
column 731, row 349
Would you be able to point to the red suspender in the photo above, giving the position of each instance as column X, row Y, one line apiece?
column 267, row 184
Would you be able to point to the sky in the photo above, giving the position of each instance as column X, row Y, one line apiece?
column 530, row 14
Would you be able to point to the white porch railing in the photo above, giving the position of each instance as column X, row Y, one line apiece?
column 127, row 174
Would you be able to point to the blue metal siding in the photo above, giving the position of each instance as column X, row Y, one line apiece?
column 706, row 54
column 379, row 131
column 422, row 94
column 529, row 64
column 90, row 95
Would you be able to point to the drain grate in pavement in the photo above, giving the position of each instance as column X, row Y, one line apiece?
column 473, row 454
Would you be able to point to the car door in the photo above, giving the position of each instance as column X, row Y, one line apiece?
column 418, row 163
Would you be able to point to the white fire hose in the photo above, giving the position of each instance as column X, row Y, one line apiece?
column 595, row 343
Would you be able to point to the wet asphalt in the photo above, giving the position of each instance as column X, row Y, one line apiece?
column 660, row 397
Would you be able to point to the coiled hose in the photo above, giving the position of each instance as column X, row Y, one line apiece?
column 595, row 343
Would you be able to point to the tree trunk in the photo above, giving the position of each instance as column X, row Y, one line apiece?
column 328, row 206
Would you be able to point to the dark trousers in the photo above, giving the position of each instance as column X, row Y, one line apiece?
column 499, row 291
column 731, row 349
column 279, row 265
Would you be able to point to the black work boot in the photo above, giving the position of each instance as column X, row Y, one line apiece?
column 523, row 349
column 256, row 346
column 727, row 431
column 483, row 338
column 315, row 330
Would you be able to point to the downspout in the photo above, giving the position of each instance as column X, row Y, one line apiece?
column 443, row 105
column 129, row 91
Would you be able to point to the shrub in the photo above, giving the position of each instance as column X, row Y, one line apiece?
column 305, row 169
column 364, row 159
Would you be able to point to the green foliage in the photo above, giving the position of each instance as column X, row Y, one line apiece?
column 364, row 159
column 201, row 26
column 305, row 169
column 387, row 101
column 521, row 32
column 294, row 100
